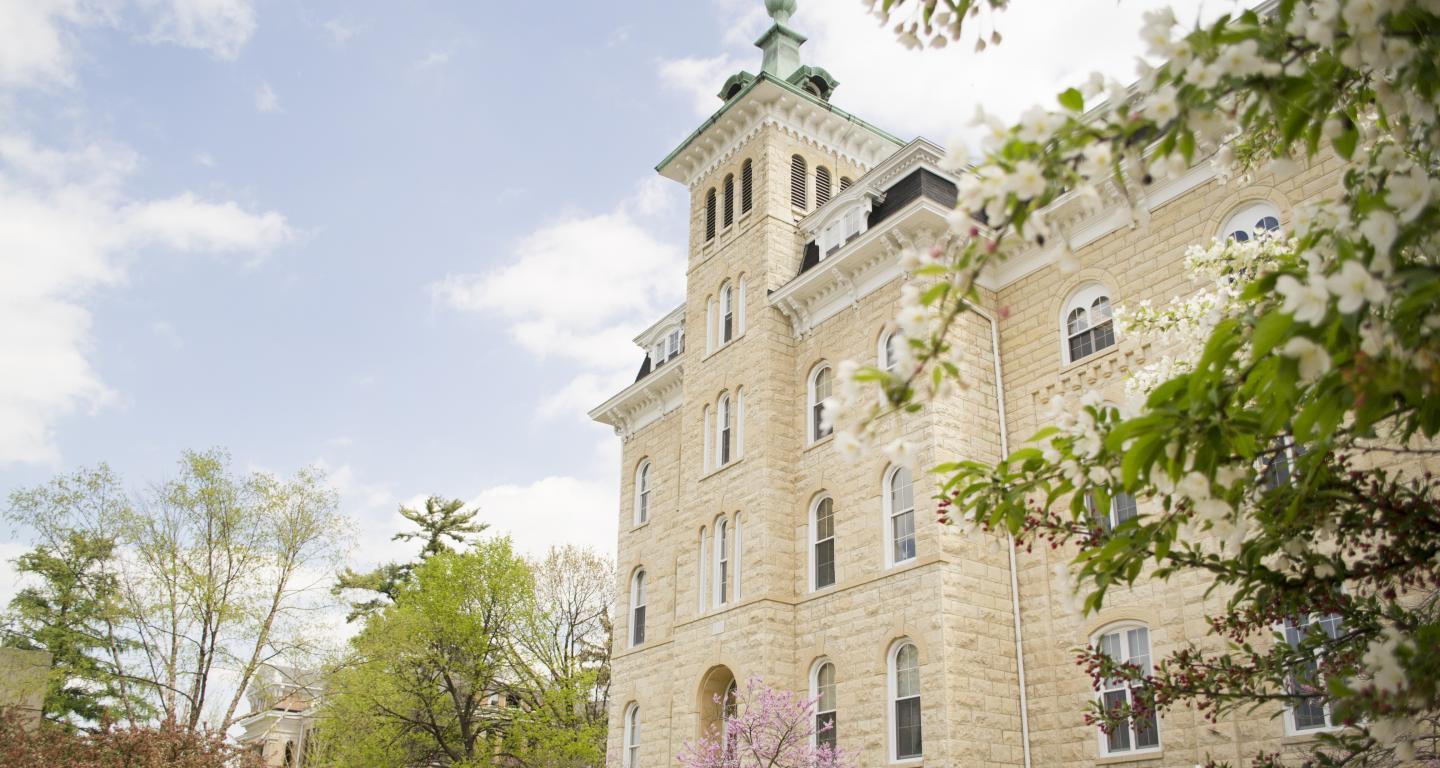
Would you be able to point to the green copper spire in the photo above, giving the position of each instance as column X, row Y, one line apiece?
column 780, row 43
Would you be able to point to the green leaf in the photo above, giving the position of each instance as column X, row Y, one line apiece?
column 1272, row 329
column 1072, row 99
column 1345, row 143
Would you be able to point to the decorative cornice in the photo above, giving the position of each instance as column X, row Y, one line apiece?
column 859, row 268
column 773, row 103
column 645, row 401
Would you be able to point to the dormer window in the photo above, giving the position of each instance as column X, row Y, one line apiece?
column 843, row 228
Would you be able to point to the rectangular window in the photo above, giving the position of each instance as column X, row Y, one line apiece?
column 1308, row 711
column 722, row 559
column 907, row 728
column 824, row 543
column 825, row 724
column 638, row 636
column 902, row 517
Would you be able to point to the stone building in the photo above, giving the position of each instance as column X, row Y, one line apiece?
column 280, row 727
column 24, row 677
column 749, row 546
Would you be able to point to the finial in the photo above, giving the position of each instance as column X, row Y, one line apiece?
column 780, row 10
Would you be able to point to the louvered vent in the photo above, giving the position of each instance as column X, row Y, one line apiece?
column 845, row 183
column 797, row 182
column 747, row 181
column 710, row 214
column 822, row 186
column 729, row 199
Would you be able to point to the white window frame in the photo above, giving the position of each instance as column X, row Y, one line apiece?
column 815, row 669
column 892, row 699
column 632, row 736
column 1330, row 726
column 816, row 541
column 737, row 451
column 724, row 431
column 1123, row 629
column 722, row 562
column 727, row 314
column 637, row 604
column 1085, row 298
column 712, row 315
column 884, row 351
column 642, row 492
column 701, row 573
column 1247, row 218
column 891, row 514
column 814, row 400
column 738, row 549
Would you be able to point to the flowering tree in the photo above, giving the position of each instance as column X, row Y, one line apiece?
column 768, row 729
column 1283, row 449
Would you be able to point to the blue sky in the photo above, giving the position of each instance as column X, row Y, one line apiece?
column 409, row 242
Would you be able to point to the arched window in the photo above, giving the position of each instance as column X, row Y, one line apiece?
column 632, row 736
column 729, row 199
column 700, row 573
column 1127, row 644
column 289, row 754
column 899, row 516
column 710, row 214
column 722, row 562
column 725, row 420
column 637, row 608
column 642, row 492
column 1089, row 326
column 798, row 198
column 905, row 735
column 706, row 433
column 822, row 538
column 747, row 186
column 1251, row 220
column 819, row 389
column 822, row 690
column 822, row 185
column 845, row 183
column 727, row 313
column 889, row 352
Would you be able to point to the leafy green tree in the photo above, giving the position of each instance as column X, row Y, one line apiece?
column 430, row 674
column 1281, row 447
column 205, row 574
column 562, row 663
column 68, row 611
column 439, row 521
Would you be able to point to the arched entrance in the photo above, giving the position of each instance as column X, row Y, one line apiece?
column 716, row 698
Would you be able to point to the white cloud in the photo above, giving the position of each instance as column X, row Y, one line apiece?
column 580, row 287
column 341, row 30
column 37, row 37
column 702, row 78
column 221, row 27
column 66, row 229
column 266, row 100
column 585, row 391
column 163, row 330
column 1048, row 47
column 553, row 511
column 34, row 41
column 433, row 59
column 204, row 159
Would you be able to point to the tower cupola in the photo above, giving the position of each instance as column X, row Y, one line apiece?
column 780, row 43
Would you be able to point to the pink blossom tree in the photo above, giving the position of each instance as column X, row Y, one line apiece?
column 764, row 728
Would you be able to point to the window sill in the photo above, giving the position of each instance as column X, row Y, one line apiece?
column 717, row 350
column 908, row 762
column 1089, row 359
column 903, row 564
column 638, row 526
column 722, row 468
column 822, row 441
column 1130, row 757
column 1309, row 735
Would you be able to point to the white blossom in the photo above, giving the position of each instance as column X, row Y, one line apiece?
column 1409, row 193
column 1312, row 358
column 1307, row 301
column 1026, row 181
column 1380, row 230
column 1353, row 285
